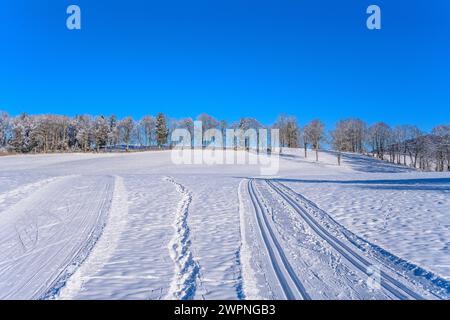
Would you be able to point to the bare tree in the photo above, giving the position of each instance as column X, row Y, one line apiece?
column 188, row 124
column 379, row 137
column 289, row 131
column 304, row 139
column 341, row 140
column 442, row 151
column 413, row 144
column 208, row 122
column 125, row 129
column 148, row 124
column 281, row 124
column 246, row 124
column 315, row 131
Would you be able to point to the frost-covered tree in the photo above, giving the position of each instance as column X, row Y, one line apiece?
column 379, row 136
column 4, row 129
column 349, row 136
column 292, row 133
column 125, row 130
column 413, row 144
column 113, row 135
column 188, row 124
column 289, row 131
column 161, row 130
column 315, row 131
column 246, row 124
column 340, row 140
column 281, row 124
column 21, row 131
column 101, row 132
column 304, row 139
column 223, row 128
column 148, row 125
column 83, row 132
column 442, row 147
column 208, row 122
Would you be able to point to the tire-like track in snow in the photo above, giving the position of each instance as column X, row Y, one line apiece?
column 288, row 280
column 395, row 287
column 50, row 230
column 100, row 247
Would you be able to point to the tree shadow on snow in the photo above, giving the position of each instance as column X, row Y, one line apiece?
column 426, row 184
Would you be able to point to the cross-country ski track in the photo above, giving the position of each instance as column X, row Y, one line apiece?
column 296, row 284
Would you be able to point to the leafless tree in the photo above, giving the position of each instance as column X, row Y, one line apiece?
column 341, row 141
column 148, row 124
column 125, row 129
column 289, row 131
column 379, row 136
column 442, row 148
column 315, row 131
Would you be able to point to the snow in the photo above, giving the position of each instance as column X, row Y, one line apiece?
column 136, row 226
column 104, row 249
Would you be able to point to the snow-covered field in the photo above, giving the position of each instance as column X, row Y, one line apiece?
column 136, row 226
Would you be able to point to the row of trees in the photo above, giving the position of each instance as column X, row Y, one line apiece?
column 402, row 144
column 405, row 144
column 54, row 133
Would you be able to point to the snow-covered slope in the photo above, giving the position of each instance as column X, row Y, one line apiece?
column 136, row 226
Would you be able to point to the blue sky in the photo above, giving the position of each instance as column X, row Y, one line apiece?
column 229, row 58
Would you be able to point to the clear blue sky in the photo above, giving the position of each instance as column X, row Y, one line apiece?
column 229, row 58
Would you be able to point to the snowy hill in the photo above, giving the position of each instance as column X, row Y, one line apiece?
column 137, row 226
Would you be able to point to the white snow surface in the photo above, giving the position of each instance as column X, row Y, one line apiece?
column 136, row 226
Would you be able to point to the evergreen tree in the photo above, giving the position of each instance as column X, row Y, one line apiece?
column 161, row 130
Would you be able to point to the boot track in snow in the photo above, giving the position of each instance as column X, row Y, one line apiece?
column 184, row 282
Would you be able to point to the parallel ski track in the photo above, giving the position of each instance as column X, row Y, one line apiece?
column 279, row 261
column 390, row 284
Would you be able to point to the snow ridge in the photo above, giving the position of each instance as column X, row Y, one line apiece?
column 105, row 246
column 187, row 269
column 249, row 285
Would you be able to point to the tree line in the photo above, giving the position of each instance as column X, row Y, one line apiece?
column 402, row 144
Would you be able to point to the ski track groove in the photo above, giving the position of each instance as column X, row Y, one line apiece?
column 187, row 269
column 81, row 254
column 284, row 272
column 23, row 231
column 387, row 282
column 104, row 240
